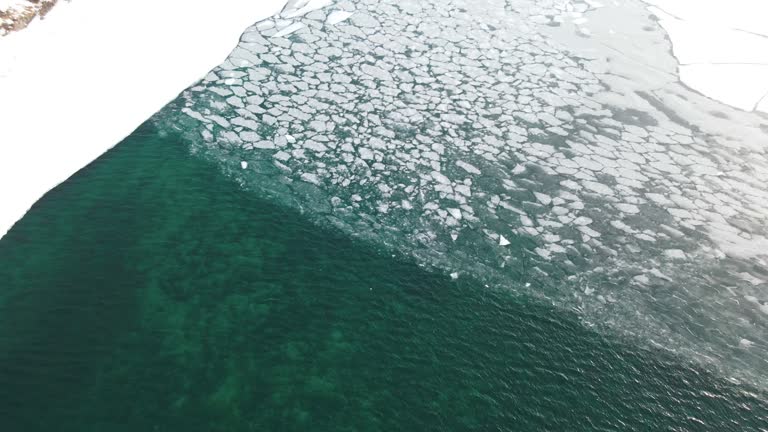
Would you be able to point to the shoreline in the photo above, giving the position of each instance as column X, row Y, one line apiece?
column 68, row 97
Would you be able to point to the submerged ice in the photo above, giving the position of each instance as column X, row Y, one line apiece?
column 458, row 134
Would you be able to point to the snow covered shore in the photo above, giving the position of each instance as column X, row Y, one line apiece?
column 16, row 14
column 722, row 47
column 75, row 84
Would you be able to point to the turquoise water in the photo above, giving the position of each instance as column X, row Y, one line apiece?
column 150, row 292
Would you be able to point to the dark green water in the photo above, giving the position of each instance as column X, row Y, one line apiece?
column 150, row 293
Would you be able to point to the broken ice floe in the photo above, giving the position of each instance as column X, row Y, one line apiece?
column 338, row 16
column 429, row 133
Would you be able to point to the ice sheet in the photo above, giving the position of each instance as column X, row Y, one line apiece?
column 722, row 47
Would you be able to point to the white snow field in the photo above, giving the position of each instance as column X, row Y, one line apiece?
column 76, row 83
column 722, row 47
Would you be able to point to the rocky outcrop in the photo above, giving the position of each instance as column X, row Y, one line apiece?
column 17, row 14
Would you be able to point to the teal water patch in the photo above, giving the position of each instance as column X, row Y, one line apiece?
column 150, row 292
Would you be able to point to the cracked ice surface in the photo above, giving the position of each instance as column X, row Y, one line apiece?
column 459, row 134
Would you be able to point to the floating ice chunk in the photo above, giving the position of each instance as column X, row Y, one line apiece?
column 249, row 136
column 288, row 30
column 467, row 167
column 675, row 253
column 235, row 102
column 463, row 189
column 316, row 146
column 366, row 153
column 544, row 253
column 598, row 187
column 556, row 248
column 310, row 178
column 207, row 135
column 570, row 184
column 503, row 241
column 454, row 275
column 659, row 199
column 195, row 115
column 543, row 198
column 376, row 72
column 582, row 220
column 745, row 343
column 440, row 178
column 627, row 208
column 337, row 16
column 454, row 236
column 250, row 124
column 317, row 125
column 643, row 279
column 281, row 155
column 660, row 275
column 265, row 25
column 622, row 226
column 243, row 164
column 588, row 231
column 308, row 6
column 221, row 121
column 456, row 213
column 453, row 118
column 526, row 221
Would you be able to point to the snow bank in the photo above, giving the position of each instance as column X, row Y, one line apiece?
column 722, row 47
column 75, row 84
column 7, row 4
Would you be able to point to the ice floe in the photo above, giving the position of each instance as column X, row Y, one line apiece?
column 338, row 16
column 285, row 31
column 432, row 137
